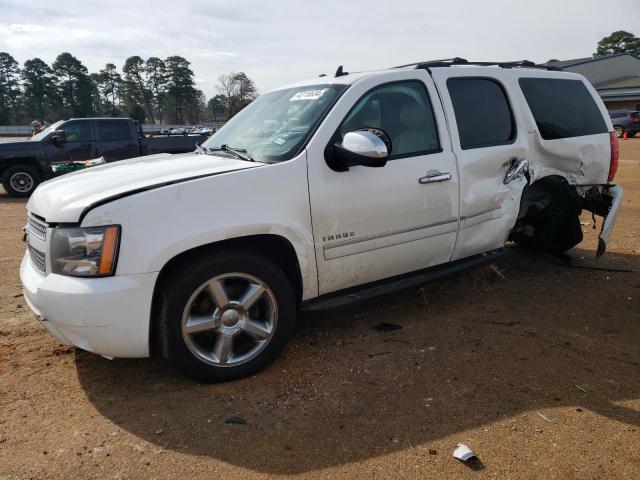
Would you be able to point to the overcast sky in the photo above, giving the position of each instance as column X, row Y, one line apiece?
column 280, row 41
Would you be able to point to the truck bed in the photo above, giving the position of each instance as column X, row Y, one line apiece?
column 174, row 144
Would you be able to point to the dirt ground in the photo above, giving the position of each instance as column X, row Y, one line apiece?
column 538, row 372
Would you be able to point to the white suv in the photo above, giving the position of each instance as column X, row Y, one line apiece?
column 314, row 195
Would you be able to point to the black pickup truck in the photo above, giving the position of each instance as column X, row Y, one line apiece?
column 23, row 165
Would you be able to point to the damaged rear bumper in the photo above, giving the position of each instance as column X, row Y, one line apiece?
column 614, row 192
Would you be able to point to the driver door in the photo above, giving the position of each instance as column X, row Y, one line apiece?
column 374, row 223
column 80, row 144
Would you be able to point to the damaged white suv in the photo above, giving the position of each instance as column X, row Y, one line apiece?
column 314, row 195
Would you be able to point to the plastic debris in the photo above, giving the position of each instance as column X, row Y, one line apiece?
column 545, row 418
column 580, row 388
column 464, row 453
column 69, row 167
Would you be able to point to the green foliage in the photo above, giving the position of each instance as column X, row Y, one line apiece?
column 180, row 87
column 9, row 87
column 155, row 90
column 619, row 42
column 39, row 97
column 74, row 86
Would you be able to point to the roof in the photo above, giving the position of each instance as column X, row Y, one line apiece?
column 581, row 61
column 624, row 82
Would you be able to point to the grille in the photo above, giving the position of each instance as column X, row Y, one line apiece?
column 38, row 228
column 39, row 259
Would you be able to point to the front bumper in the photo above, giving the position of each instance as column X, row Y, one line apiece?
column 109, row 316
column 615, row 192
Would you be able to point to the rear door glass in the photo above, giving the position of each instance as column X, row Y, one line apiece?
column 483, row 114
column 562, row 108
column 111, row 130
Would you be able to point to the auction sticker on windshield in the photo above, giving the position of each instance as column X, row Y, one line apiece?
column 308, row 95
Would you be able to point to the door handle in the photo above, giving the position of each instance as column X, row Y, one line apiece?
column 435, row 177
column 518, row 167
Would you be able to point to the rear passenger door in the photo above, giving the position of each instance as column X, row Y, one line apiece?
column 488, row 143
column 117, row 140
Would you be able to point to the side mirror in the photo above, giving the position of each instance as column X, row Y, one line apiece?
column 59, row 137
column 369, row 147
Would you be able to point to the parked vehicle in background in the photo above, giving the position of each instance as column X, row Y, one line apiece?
column 316, row 195
column 24, row 164
column 178, row 131
column 625, row 121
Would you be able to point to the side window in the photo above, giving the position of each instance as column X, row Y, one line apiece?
column 78, row 131
column 403, row 111
column 109, row 130
column 562, row 108
column 482, row 112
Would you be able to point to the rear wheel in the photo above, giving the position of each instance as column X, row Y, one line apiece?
column 226, row 316
column 20, row 180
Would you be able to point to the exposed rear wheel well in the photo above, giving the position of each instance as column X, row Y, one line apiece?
column 278, row 249
column 10, row 162
column 549, row 217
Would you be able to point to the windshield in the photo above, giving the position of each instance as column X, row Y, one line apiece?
column 43, row 133
column 275, row 126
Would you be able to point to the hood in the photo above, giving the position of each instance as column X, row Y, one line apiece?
column 13, row 149
column 64, row 199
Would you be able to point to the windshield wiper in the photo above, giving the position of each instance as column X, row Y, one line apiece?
column 241, row 153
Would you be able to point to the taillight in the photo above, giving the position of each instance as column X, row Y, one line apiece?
column 615, row 155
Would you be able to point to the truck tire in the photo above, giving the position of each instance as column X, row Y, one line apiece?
column 225, row 316
column 21, row 180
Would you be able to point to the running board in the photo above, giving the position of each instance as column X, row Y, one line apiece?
column 369, row 291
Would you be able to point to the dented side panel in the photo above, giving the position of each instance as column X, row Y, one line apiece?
column 580, row 160
column 489, row 205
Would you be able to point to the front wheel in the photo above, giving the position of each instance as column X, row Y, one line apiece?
column 619, row 131
column 20, row 180
column 226, row 316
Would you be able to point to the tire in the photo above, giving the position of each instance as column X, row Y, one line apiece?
column 21, row 180
column 206, row 329
column 619, row 131
column 557, row 229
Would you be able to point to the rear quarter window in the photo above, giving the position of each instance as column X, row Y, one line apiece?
column 483, row 114
column 562, row 108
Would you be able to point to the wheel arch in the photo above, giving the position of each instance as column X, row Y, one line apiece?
column 275, row 247
column 552, row 190
column 28, row 161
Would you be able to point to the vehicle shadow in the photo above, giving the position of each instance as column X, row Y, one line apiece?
column 524, row 335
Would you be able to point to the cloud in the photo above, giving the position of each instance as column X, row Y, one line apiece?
column 284, row 41
column 27, row 28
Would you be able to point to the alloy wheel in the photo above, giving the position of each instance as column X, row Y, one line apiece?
column 229, row 319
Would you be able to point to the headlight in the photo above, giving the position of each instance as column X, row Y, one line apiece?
column 85, row 252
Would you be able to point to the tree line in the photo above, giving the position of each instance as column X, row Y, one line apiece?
column 154, row 90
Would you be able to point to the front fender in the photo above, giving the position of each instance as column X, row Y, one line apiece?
column 159, row 224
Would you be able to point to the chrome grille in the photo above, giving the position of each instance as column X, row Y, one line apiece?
column 39, row 259
column 38, row 228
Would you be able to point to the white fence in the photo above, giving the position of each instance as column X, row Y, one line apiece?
column 25, row 130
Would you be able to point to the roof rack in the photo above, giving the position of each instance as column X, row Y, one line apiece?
column 449, row 62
